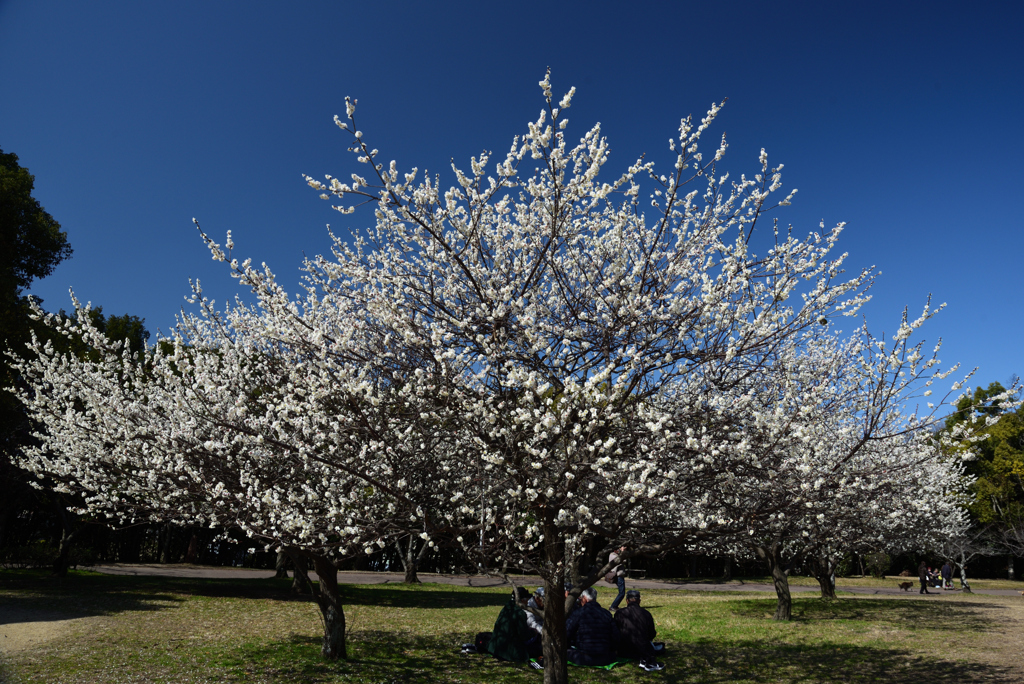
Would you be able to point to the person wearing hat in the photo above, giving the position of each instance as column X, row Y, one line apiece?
column 510, row 633
column 636, row 631
column 535, row 623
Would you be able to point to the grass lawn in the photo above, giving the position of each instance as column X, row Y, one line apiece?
column 150, row 629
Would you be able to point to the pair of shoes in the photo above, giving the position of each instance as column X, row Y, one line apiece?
column 536, row 665
column 469, row 648
column 651, row 666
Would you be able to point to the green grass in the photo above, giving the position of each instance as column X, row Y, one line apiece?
column 148, row 629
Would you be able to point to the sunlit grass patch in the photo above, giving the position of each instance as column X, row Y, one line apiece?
column 145, row 629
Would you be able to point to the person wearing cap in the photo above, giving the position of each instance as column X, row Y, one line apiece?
column 535, row 623
column 636, row 631
column 510, row 633
column 593, row 634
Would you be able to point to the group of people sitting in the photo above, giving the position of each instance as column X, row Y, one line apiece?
column 595, row 636
column 935, row 578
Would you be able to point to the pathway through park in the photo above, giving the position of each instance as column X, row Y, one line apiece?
column 355, row 577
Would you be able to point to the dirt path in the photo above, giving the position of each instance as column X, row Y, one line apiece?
column 21, row 628
column 355, row 577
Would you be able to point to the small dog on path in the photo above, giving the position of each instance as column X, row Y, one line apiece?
column 905, row 586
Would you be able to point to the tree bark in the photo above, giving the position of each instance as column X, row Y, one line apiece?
column 828, row 590
column 331, row 610
column 771, row 555
column 410, row 560
column 823, row 572
column 281, row 565
column 300, row 575
column 553, row 639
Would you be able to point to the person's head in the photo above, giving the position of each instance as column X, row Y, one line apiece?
column 568, row 588
column 632, row 596
column 622, row 550
column 521, row 595
column 589, row 594
column 538, row 597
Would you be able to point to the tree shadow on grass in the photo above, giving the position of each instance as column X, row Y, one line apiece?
column 379, row 657
column 81, row 594
column 904, row 613
column 751, row 661
column 386, row 657
column 27, row 596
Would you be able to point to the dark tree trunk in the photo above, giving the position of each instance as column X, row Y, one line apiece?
column 281, row 565
column 331, row 611
column 165, row 539
column 410, row 560
column 727, row 571
column 192, row 554
column 823, row 572
column 771, row 555
column 300, row 575
column 553, row 640
column 828, row 590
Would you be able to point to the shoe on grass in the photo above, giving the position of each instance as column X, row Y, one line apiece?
column 651, row 666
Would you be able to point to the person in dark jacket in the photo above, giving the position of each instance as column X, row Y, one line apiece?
column 922, row 574
column 510, row 633
column 636, row 632
column 593, row 634
column 947, row 576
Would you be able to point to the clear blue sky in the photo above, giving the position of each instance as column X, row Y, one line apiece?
column 906, row 120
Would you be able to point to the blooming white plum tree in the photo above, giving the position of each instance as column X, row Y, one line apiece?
column 530, row 359
column 228, row 425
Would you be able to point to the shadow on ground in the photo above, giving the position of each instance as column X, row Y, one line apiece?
column 902, row 613
column 758, row 662
column 388, row 657
column 81, row 594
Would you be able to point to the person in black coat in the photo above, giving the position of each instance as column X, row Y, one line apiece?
column 922, row 574
column 636, row 631
column 592, row 634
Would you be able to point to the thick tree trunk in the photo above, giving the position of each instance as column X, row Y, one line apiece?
column 281, row 565
column 727, row 572
column 553, row 640
column 823, row 572
column 828, row 590
column 300, row 575
column 331, row 611
column 771, row 555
